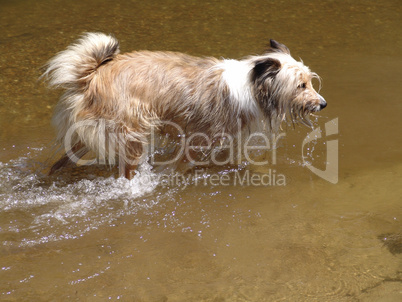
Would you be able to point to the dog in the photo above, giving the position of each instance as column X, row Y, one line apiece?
column 133, row 92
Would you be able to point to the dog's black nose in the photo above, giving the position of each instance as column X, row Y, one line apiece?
column 323, row 103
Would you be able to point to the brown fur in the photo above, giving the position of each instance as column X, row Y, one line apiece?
column 131, row 93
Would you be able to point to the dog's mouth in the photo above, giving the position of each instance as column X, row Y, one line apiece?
column 322, row 103
column 301, row 113
column 318, row 105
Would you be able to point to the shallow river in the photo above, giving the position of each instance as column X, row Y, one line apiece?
column 84, row 234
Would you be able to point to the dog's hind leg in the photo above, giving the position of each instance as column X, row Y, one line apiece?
column 79, row 150
column 126, row 170
column 129, row 158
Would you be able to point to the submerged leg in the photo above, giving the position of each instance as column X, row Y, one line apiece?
column 130, row 153
column 126, row 169
column 79, row 150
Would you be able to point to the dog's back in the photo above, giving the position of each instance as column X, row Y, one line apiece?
column 133, row 93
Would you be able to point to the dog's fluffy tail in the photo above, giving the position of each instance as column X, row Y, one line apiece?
column 73, row 67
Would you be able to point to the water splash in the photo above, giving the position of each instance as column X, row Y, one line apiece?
column 34, row 210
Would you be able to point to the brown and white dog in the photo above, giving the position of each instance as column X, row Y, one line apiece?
column 136, row 91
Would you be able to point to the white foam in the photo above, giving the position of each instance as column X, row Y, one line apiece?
column 82, row 205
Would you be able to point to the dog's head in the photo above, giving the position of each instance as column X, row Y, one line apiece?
column 283, row 86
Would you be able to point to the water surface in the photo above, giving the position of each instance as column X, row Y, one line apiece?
column 84, row 234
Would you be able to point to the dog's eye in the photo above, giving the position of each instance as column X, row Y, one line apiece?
column 302, row 86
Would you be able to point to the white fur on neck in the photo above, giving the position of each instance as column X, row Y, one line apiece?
column 236, row 75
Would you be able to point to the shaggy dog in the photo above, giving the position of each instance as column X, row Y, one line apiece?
column 132, row 93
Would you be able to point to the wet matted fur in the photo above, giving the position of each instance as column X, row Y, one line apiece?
column 131, row 93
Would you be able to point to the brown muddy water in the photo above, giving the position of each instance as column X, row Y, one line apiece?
column 86, row 235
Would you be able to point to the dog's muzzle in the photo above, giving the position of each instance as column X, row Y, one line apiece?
column 323, row 103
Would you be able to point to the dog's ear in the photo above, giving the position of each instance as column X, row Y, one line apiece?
column 265, row 68
column 278, row 47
